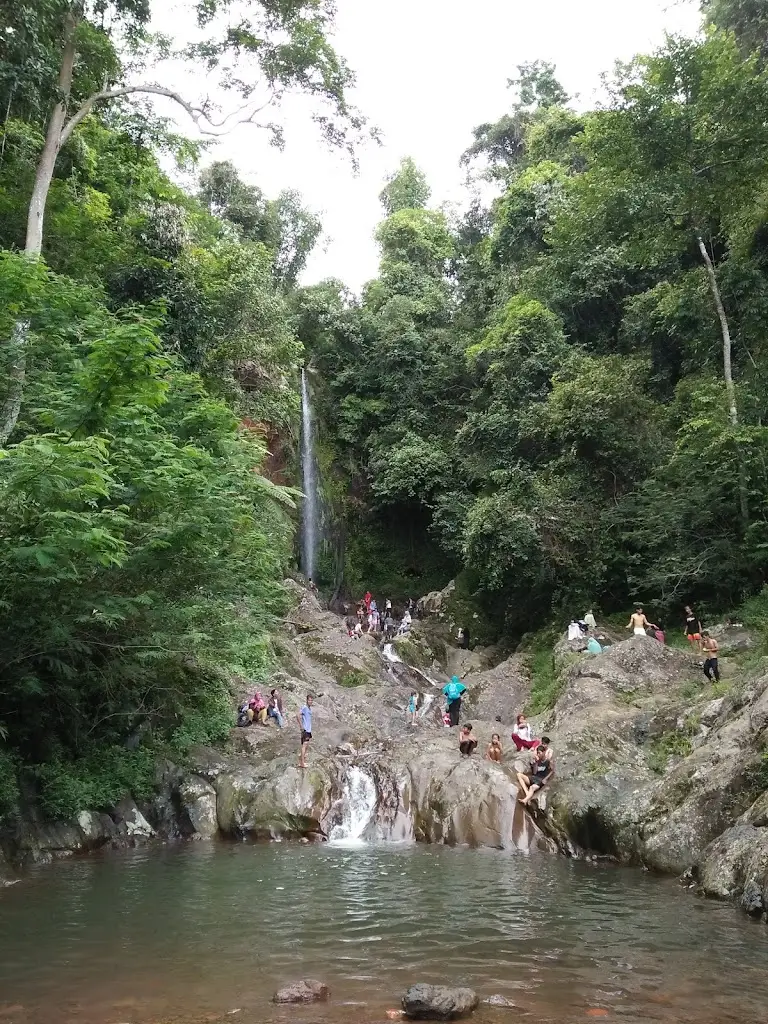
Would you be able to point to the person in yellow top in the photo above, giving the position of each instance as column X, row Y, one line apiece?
column 710, row 647
column 638, row 621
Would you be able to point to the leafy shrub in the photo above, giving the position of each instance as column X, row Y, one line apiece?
column 353, row 678
column 96, row 781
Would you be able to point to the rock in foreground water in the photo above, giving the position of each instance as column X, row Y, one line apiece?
column 499, row 1001
column 438, row 1002
column 305, row 991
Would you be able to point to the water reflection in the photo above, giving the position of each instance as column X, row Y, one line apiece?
column 193, row 932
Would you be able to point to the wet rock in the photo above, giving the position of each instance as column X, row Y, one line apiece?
column 197, row 800
column 305, row 991
column 439, row 1002
column 130, row 820
column 735, row 865
column 501, row 1001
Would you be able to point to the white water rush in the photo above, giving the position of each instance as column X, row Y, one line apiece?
column 358, row 807
column 309, row 483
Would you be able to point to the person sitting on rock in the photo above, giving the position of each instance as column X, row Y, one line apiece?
column 467, row 741
column 537, row 777
column 638, row 622
column 494, row 751
column 257, row 709
column 275, row 708
column 574, row 630
column 405, row 623
column 521, row 734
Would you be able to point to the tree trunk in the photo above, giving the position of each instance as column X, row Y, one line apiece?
column 17, row 346
column 730, row 390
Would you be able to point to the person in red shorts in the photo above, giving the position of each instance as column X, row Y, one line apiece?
column 692, row 628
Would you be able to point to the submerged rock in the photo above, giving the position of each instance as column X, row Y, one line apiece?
column 439, row 1002
column 307, row 990
column 198, row 807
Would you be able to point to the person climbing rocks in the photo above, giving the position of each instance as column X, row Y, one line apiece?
column 494, row 751
column 275, row 708
column 467, row 741
column 521, row 734
column 463, row 639
column 710, row 647
column 589, row 621
column 534, row 780
column 453, row 692
column 638, row 622
column 593, row 646
column 692, row 629
column 413, row 705
column 304, row 718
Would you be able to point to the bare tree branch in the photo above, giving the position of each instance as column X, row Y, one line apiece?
column 202, row 119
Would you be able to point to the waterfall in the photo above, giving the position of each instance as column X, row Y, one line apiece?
column 309, row 483
column 391, row 655
column 358, row 805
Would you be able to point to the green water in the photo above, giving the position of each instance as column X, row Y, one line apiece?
column 193, row 932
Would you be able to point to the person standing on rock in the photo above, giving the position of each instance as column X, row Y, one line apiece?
column 692, row 628
column 413, row 705
column 589, row 619
column 304, row 718
column 453, row 692
column 710, row 648
column 638, row 622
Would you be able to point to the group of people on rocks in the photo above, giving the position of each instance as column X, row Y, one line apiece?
column 381, row 621
column 256, row 709
column 541, row 768
column 700, row 640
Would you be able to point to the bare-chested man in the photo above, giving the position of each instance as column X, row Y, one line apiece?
column 638, row 621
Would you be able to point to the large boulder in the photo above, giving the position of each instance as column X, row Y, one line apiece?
column 498, row 694
column 439, row 1002
column 435, row 603
column 197, row 807
column 305, row 991
column 466, row 801
column 735, row 866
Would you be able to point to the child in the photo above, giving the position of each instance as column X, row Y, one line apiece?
column 413, row 704
column 494, row 751
column 467, row 741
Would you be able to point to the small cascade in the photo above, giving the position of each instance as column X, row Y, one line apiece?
column 391, row 655
column 358, row 807
column 309, row 482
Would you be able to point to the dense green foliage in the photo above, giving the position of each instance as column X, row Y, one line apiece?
column 537, row 395
column 141, row 545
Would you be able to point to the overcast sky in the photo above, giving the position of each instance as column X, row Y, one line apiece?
column 428, row 71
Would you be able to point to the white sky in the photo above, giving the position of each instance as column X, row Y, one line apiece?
column 428, row 71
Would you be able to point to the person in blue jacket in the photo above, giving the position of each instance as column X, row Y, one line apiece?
column 453, row 692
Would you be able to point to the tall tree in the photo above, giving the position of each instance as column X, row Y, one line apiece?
column 259, row 49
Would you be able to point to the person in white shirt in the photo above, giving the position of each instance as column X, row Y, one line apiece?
column 521, row 734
